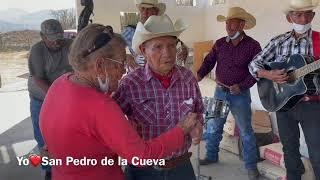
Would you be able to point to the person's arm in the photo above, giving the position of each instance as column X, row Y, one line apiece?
column 208, row 64
column 37, row 69
column 268, row 54
column 116, row 133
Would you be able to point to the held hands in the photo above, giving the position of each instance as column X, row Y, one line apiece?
column 188, row 123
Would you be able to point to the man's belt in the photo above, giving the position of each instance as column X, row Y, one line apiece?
column 174, row 162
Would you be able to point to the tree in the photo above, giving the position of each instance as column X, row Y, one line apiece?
column 67, row 18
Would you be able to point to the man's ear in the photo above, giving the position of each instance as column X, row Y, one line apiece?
column 288, row 18
column 142, row 49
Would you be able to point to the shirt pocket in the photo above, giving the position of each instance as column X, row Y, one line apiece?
column 184, row 109
column 144, row 111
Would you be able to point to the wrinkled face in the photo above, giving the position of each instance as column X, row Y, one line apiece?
column 145, row 13
column 53, row 45
column 114, row 67
column 160, row 53
column 300, row 17
column 234, row 25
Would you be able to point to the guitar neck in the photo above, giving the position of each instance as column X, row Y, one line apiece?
column 307, row 69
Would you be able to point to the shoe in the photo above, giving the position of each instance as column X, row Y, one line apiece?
column 206, row 161
column 253, row 174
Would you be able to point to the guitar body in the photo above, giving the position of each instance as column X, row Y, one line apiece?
column 283, row 97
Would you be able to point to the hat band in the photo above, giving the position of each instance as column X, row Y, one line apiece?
column 148, row 4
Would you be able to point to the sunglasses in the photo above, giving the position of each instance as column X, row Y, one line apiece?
column 101, row 40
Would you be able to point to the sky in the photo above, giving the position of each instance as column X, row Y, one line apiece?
column 36, row 5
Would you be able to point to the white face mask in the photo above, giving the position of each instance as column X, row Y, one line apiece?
column 301, row 29
column 104, row 86
column 235, row 36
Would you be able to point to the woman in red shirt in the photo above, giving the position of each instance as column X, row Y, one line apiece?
column 82, row 126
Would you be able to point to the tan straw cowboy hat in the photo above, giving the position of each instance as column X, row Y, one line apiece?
column 156, row 26
column 239, row 13
column 301, row 5
column 150, row 4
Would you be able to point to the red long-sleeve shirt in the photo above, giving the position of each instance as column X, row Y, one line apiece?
column 81, row 122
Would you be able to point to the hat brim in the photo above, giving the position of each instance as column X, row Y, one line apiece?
column 287, row 10
column 248, row 18
column 160, row 6
column 54, row 37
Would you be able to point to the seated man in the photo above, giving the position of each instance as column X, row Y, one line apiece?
column 156, row 96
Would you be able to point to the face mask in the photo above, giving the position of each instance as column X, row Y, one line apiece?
column 301, row 29
column 104, row 86
column 235, row 36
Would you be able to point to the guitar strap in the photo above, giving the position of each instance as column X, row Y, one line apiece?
column 316, row 44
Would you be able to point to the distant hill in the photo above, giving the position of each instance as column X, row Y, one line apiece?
column 18, row 40
column 17, row 19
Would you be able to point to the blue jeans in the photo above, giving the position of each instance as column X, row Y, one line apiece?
column 35, row 108
column 240, row 107
column 182, row 171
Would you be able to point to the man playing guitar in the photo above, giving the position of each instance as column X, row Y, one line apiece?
column 301, row 40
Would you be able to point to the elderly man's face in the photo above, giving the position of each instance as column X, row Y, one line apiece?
column 54, row 45
column 234, row 25
column 160, row 53
column 300, row 17
column 145, row 13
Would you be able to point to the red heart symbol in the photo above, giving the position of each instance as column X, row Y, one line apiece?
column 35, row 159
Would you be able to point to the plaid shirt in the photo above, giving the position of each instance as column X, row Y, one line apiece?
column 280, row 48
column 152, row 109
column 127, row 35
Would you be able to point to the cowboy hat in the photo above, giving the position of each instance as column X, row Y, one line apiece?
column 156, row 26
column 301, row 5
column 150, row 4
column 239, row 13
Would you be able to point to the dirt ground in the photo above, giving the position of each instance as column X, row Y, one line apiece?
column 12, row 65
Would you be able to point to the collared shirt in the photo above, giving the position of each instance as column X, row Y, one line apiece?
column 280, row 48
column 232, row 61
column 127, row 35
column 153, row 109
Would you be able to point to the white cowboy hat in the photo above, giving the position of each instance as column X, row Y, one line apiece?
column 239, row 13
column 301, row 5
column 150, row 4
column 156, row 26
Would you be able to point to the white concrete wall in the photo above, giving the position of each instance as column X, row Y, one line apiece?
column 271, row 20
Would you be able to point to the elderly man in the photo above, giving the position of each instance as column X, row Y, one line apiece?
column 300, row 40
column 47, row 61
column 232, row 55
column 156, row 96
column 146, row 9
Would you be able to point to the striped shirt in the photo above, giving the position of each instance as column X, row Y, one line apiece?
column 280, row 48
column 127, row 35
column 153, row 109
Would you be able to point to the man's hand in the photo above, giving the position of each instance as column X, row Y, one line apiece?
column 196, row 133
column 131, row 63
column 278, row 76
column 188, row 123
column 235, row 89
